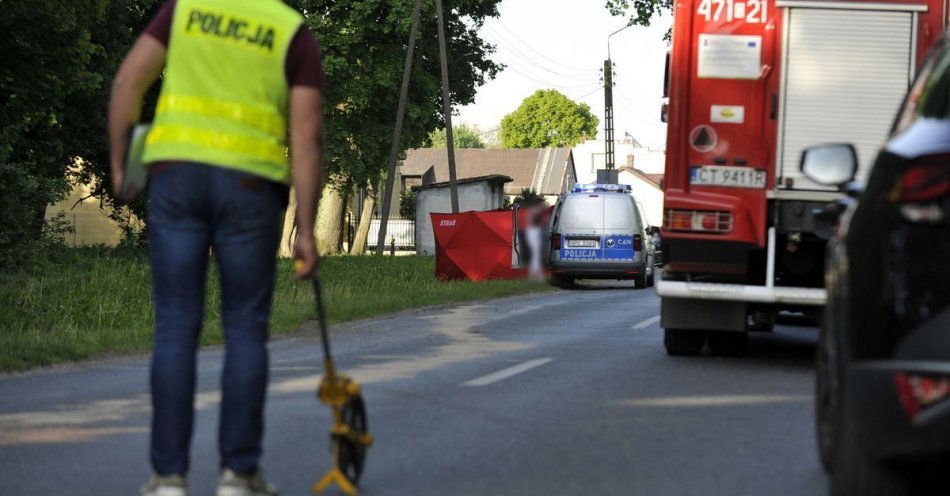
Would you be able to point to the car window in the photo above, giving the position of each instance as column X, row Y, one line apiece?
column 640, row 218
column 619, row 213
column 582, row 212
column 929, row 96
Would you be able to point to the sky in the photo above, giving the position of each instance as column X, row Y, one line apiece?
column 562, row 44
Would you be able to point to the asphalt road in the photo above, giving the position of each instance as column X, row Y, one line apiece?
column 561, row 393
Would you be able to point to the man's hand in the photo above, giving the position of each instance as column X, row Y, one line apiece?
column 117, row 178
column 307, row 262
column 117, row 191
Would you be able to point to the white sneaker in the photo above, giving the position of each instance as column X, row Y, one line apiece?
column 165, row 485
column 232, row 483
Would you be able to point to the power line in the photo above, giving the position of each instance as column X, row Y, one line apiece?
column 531, row 60
column 588, row 94
column 548, row 83
column 633, row 93
column 538, row 52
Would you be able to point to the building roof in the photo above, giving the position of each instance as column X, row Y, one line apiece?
column 493, row 178
column 541, row 169
column 654, row 179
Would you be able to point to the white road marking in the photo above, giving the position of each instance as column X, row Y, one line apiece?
column 725, row 400
column 506, row 373
column 646, row 323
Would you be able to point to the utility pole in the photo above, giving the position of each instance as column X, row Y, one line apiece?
column 609, row 113
column 447, row 109
column 609, row 102
column 397, row 132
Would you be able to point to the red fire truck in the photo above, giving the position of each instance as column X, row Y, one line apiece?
column 751, row 83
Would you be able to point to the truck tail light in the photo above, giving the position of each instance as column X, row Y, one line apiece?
column 698, row 221
column 917, row 392
column 555, row 241
column 637, row 242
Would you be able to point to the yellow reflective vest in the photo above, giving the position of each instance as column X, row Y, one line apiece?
column 224, row 97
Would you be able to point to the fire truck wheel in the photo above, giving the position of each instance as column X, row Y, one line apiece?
column 683, row 342
column 729, row 343
column 857, row 472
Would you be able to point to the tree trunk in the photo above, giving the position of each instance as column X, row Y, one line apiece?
column 343, row 207
column 328, row 220
column 362, row 231
column 289, row 235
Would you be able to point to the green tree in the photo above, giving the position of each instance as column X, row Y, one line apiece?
column 528, row 196
column 407, row 204
column 364, row 47
column 547, row 118
column 58, row 62
column 643, row 11
column 464, row 136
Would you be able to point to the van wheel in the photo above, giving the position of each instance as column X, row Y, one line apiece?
column 641, row 281
column 651, row 281
column 683, row 342
column 563, row 282
column 729, row 343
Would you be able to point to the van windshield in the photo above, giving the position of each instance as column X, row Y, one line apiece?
column 598, row 211
column 618, row 213
column 582, row 212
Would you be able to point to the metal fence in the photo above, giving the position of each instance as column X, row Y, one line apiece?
column 400, row 231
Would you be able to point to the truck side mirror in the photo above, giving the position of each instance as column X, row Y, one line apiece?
column 832, row 164
column 653, row 230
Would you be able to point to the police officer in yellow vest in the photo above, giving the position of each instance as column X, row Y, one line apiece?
column 242, row 78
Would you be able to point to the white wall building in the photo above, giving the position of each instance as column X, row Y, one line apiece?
column 639, row 166
column 475, row 194
column 591, row 155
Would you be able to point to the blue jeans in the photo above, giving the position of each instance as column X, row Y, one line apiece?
column 193, row 208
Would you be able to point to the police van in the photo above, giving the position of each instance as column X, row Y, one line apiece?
column 598, row 231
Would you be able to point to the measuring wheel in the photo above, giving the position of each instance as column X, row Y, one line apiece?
column 352, row 453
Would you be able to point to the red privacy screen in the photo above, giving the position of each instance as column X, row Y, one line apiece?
column 474, row 246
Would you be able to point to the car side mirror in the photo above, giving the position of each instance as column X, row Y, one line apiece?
column 832, row 164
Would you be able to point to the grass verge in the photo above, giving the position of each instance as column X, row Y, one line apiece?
column 95, row 302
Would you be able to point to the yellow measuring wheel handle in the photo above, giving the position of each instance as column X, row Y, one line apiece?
column 335, row 476
column 337, row 390
column 342, row 395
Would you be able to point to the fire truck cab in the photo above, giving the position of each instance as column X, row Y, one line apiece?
column 751, row 84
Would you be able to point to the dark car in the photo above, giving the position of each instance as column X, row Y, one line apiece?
column 883, row 359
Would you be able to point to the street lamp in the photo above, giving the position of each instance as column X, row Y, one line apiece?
column 629, row 23
column 609, row 104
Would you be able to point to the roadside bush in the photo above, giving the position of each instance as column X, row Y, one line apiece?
column 407, row 204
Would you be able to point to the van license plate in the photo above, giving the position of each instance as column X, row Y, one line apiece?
column 730, row 177
column 582, row 243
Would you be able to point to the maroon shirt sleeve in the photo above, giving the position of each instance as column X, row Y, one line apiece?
column 161, row 26
column 304, row 63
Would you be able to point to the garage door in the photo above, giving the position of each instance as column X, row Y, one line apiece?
column 846, row 72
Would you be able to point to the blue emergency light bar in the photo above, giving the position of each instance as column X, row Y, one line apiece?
column 584, row 188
